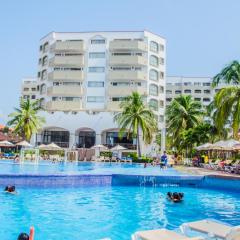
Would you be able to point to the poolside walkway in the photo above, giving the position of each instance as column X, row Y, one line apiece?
column 204, row 172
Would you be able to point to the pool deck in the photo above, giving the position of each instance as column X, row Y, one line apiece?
column 205, row 172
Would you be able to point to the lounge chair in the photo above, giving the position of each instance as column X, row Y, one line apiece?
column 113, row 159
column 213, row 229
column 106, row 159
column 161, row 234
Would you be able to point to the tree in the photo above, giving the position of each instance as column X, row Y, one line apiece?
column 25, row 120
column 182, row 114
column 227, row 100
column 135, row 119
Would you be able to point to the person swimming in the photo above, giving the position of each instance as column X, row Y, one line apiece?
column 175, row 197
column 10, row 189
column 25, row 236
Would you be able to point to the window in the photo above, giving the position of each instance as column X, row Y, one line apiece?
column 95, row 99
column 206, row 84
column 153, row 104
column 71, row 83
column 207, row 91
column 121, row 68
column 178, row 84
column 44, row 61
column 39, row 61
column 71, row 99
column 161, row 89
column 98, row 41
column 197, row 84
column 197, row 99
column 122, row 54
column 187, row 91
column 154, row 46
column 161, row 75
column 33, row 97
column 154, row 61
column 25, row 96
column 97, row 55
column 206, row 99
column 120, row 84
column 45, row 47
column 153, row 75
column 169, row 91
column 39, row 74
column 198, row 91
column 44, row 74
column 169, row 99
column 161, row 47
column 43, row 89
column 95, row 84
column 34, row 89
column 161, row 103
column 153, row 90
column 178, row 92
column 217, row 90
column 96, row 69
column 187, row 83
column 26, row 89
column 161, row 61
column 118, row 99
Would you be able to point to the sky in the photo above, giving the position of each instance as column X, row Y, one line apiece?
column 202, row 35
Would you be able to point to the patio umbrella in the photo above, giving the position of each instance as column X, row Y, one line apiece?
column 118, row 148
column 50, row 147
column 24, row 144
column 205, row 146
column 99, row 148
column 6, row 144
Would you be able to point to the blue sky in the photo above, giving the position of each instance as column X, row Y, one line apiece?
column 202, row 35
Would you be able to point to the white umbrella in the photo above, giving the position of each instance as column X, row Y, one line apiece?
column 99, row 147
column 6, row 144
column 118, row 148
column 24, row 144
column 205, row 146
column 50, row 147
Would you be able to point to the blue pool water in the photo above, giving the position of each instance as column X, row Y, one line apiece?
column 7, row 167
column 116, row 212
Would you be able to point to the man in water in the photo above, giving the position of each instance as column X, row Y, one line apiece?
column 10, row 189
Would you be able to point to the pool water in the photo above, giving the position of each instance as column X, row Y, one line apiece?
column 116, row 212
column 8, row 167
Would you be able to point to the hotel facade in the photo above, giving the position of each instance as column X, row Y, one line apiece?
column 83, row 77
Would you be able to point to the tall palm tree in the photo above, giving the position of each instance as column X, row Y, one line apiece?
column 227, row 100
column 136, row 118
column 182, row 114
column 25, row 120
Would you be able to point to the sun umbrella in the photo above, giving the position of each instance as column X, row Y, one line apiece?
column 118, row 148
column 50, row 147
column 205, row 146
column 6, row 144
column 24, row 144
column 99, row 147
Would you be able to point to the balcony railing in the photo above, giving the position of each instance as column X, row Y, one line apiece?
column 128, row 45
column 65, row 91
column 127, row 75
column 66, row 75
column 73, row 61
column 127, row 60
column 68, row 46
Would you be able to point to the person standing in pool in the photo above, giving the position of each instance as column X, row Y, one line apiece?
column 25, row 236
column 163, row 160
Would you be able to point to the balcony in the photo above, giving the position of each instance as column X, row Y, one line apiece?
column 125, row 91
column 127, row 60
column 72, row 61
column 65, row 91
column 67, row 46
column 127, row 75
column 113, row 106
column 128, row 45
column 64, row 106
column 66, row 75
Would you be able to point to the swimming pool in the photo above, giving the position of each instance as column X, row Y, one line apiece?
column 8, row 167
column 116, row 212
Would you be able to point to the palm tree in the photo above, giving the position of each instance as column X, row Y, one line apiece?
column 230, row 74
column 25, row 120
column 182, row 114
column 136, row 118
column 227, row 100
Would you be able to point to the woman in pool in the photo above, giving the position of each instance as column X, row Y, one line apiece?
column 10, row 189
column 24, row 236
column 175, row 197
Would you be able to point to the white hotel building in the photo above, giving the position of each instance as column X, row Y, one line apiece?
column 82, row 77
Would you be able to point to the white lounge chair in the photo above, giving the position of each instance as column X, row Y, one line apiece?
column 161, row 234
column 211, row 228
